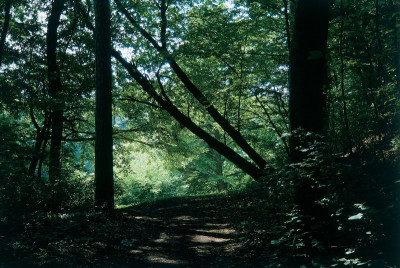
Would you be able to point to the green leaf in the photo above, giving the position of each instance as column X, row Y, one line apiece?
column 356, row 217
column 275, row 242
column 361, row 206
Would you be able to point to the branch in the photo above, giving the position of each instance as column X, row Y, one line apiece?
column 196, row 92
column 140, row 101
column 137, row 26
column 74, row 131
column 72, row 120
column 133, row 140
column 79, row 139
column 32, row 115
column 163, row 92
column 215, row 144
column 126, row 130
column 84, row 14
column 187, row 122
column 272, row 123
column 229, row 66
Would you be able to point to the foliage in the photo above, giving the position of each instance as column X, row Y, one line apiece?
column 237, row 54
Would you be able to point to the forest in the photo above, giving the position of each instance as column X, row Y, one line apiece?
column 199, row 133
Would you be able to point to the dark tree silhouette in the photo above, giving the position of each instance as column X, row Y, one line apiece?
column 6, row 24
column 307, row 103
column 55, row 91
column 104, row 185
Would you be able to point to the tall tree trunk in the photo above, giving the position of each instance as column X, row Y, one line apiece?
column 379, row 69
column 307, row 102
column 308, row 66
column 395, row 5
column 4, row 30
column 349, row 144
column 104, row 184
column 379, row 46
column 55, row 91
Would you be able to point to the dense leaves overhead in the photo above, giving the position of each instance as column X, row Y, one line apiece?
column 200, row 105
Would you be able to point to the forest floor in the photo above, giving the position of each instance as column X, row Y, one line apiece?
column 177, row 232
column 234, row 230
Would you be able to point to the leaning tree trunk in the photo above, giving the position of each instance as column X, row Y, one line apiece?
column 307, row 104
column 197, row 93
column 104, row 185
column 242, row 163
column 57, row 106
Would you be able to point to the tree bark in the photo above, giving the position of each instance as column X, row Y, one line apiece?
column 307, row 102
column 395, row 5
column 104, row 183
column 4, row 30
column 349, row 144
column 55, row 91
column 308, row 66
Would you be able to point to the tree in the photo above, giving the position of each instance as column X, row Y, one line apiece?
column 4, row 30
column 56, row 93
column 104, row 185
column 307, row 102
column 191, row 87
column 308, row 68
column 395, row 5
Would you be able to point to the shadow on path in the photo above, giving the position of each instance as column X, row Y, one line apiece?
column 179, row 232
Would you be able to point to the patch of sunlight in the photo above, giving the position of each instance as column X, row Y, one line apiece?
column 136, row 251
column 204, row 250
column 164, row 259
column 146, row 218
column 164, row 238
column 184, row 218
column 124, row 206
column 356, row 217
column 216, row 224
column 208, row 239
column 217, row 231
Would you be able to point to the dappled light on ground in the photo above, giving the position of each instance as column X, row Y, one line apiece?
column 180, row 234
column 210, row 231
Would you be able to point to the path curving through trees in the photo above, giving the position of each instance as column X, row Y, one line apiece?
column 180, row 232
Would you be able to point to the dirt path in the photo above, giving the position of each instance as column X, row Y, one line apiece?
column 178, row 232
column 181, row 232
